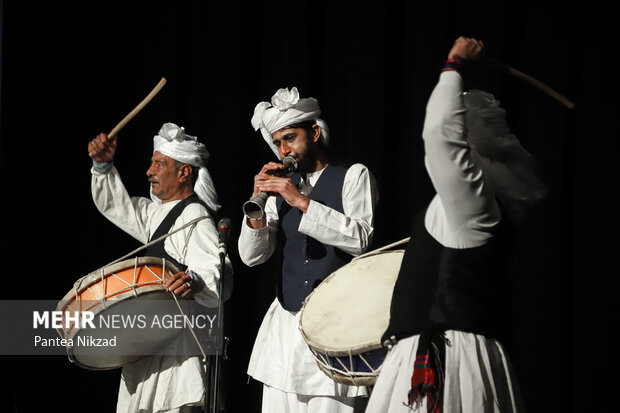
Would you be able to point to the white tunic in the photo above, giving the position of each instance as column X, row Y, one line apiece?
column 463, row 214
column 162, row 383
column 280, row 357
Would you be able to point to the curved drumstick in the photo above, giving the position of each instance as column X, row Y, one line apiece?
column 532, row 81
column 137, row 109
column 385, row 247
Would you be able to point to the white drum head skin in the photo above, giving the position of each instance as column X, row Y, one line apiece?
column 349, row 311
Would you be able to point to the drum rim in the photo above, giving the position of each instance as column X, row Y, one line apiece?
column 117, row 299
column 94, row 276
column 339, row 352
column 73, row 359
column 70, row 299
column 368, row 379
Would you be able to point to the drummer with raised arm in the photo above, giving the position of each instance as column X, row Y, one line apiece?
column 325, row 211
column 447, row 310
column 181, row 191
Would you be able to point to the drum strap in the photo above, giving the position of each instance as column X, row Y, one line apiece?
column 157, row 249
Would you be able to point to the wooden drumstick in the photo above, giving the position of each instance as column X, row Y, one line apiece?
column 137, row 109
column 529, row 79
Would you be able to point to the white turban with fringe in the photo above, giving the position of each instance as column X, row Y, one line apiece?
column 285, row 109
column 173, row 142
column 512, row 170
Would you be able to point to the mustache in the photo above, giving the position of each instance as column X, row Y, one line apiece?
column 152, row 180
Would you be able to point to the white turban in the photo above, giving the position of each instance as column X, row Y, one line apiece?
column 172, row 141
column 513, row 170
column 286, row 109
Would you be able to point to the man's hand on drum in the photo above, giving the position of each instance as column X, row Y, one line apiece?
column 180, row 284
column 102, row 149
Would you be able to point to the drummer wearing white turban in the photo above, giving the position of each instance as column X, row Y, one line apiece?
column 325, row 206
column 174, row 143
column 181, row 191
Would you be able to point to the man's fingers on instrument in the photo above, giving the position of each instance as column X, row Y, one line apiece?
column 271, row 166
column 265, row 168
column 170, row 280
column 92, row 148
column 276, row 185
column 178, row 283
column 93, row 152
column 176, row 287
column 266, row 185
column 270, row 190
column 187, row 291
column 183, row 289
column 98, row 145
column 109, row 140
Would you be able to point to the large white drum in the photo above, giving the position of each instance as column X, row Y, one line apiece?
column 343, row 319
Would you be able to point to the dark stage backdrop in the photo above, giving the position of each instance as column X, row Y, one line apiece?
column 72, row 71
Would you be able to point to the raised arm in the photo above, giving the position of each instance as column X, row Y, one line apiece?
column 109, row 193
column 465, row 197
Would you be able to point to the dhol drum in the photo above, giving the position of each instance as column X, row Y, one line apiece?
column 343, row 319
column 114, row 295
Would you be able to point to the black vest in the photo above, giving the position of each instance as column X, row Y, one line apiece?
column 306, row 261
column 157, row 249
column 445, row 288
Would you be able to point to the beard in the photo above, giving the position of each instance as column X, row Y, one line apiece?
column 307, row 160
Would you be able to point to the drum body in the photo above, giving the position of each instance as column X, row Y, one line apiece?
column 343, row 319
column 117, row 292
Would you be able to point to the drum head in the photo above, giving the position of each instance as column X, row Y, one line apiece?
column 350, row 310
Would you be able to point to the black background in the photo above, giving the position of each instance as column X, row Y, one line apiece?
column 72, row 70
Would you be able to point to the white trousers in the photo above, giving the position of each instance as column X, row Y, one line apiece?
column 478, row 378
column 277, row 401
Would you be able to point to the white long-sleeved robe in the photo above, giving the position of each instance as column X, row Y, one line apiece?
column 164, row 383
column 280, row 357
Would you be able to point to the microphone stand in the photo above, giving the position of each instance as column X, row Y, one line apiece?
column 213, row 364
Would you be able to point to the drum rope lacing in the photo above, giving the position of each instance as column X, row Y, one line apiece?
column 353, row 376
column 202, row 351
column 77, row 285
